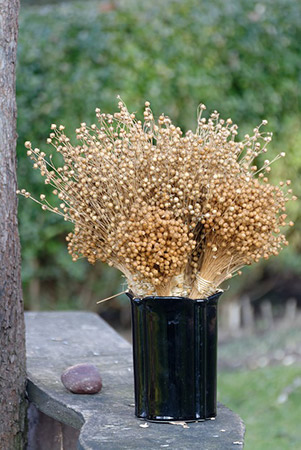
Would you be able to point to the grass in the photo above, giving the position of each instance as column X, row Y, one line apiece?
column 253, row 395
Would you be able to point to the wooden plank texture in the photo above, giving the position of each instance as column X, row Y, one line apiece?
column 57, row 340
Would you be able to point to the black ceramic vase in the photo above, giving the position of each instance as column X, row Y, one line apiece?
column 175, row 350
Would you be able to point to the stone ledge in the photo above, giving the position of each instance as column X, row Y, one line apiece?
column 57, row 340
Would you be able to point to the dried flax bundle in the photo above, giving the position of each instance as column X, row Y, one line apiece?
column 176, row 213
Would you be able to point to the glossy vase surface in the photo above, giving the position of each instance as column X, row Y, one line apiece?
column 175, row 352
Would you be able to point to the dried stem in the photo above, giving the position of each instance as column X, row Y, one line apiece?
column 177, row 214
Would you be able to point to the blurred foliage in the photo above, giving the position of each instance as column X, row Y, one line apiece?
column 254, row 396
column 240, row 57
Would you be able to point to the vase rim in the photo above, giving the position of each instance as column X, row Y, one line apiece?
column 208, row 299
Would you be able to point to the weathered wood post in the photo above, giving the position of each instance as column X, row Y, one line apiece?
column 12, row 340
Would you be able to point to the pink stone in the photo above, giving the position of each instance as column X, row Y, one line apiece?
column 82, row 379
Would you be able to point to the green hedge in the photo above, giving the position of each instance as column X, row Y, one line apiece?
column 240, row 57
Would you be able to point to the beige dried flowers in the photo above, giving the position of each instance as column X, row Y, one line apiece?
column 176, row 213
